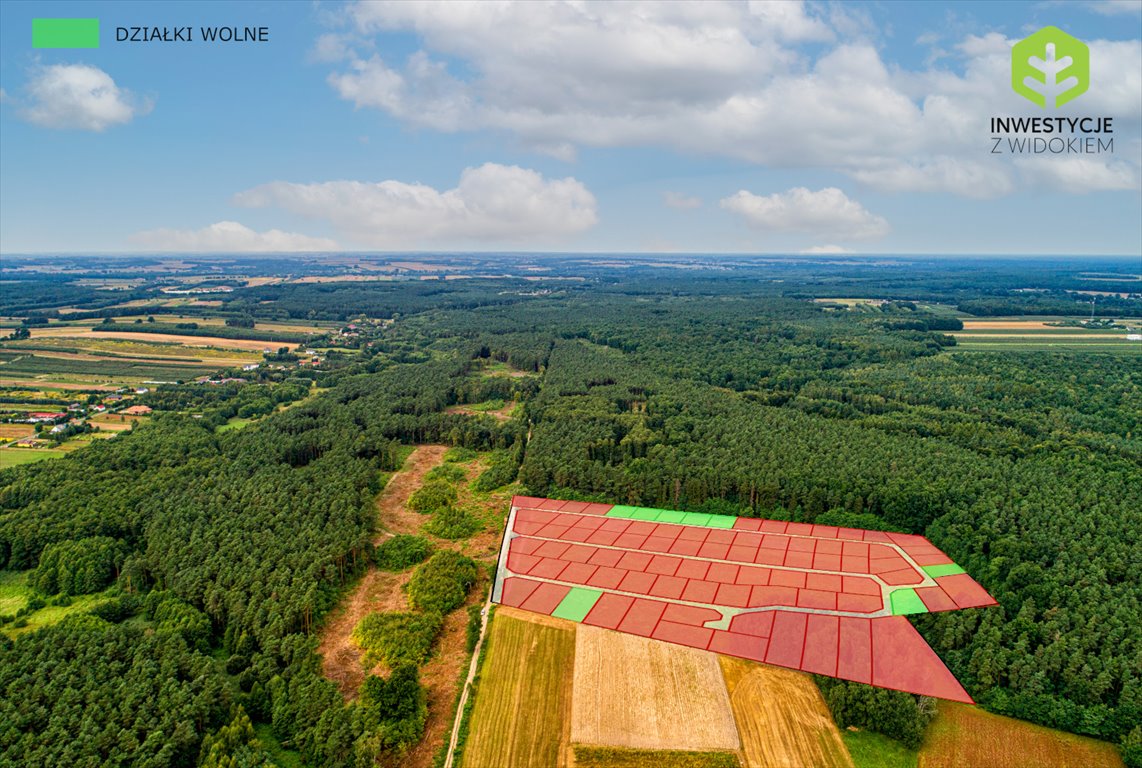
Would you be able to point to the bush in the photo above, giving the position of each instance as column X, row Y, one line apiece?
column 452, row 523
column 398, row 705
column 397, row 638
column 402, row 551
column 459, row 454
column 502, row 470
column 433, row 495
column 900, row 716
column 449, row 473
column 115, row 611
column 474, row 621
column 442, row 583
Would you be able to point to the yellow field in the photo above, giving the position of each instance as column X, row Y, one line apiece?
column 85, row 332
column 117, row 422
column 1005, row 325
column 633, row 692
column 962, row 735
column 782, row 719
column 156, row 349
column 524, row 697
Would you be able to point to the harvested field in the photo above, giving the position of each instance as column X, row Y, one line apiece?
column 190, row 341
column 15, row 431
column 962, row 735
column 524, row 697
column 618, row 757
column 782, row 719
column 114, row 422
column 1006, row 325
column 631, row 691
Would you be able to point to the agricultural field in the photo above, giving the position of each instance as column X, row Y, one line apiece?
column 962, row 735
column 524, row 705
column 84, row 332
column 1021, row 334
column 14, row 431
column 117, row 422
column 11, row 457
column 619, row 757
column 631, row 691
column 781, row 717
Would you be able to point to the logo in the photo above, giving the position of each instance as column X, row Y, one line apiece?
column 1050, row 67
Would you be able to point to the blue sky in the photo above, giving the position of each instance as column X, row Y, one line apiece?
column 770, row 128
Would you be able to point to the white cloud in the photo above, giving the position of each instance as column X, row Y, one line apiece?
column 1078, row 174
column 229, row 236
column 826, row 212
column 713, row 78
column 681, row 202
column 1111, row 7
column 79, row 96
column 963, row 177
column 824, row 250
column 492, row 203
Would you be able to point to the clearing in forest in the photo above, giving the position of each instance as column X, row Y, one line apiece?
column 631, row 691
column 781, row 717
column 525, row 695
column 377, row 590
column 963, row 735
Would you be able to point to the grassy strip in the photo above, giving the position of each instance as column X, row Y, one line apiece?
column 872, row 750
column 466, row 715
column 620, row 757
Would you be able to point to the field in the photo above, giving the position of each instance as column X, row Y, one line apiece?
column 781, row 717
column 14, row 431
column 115, row 422
column 618, row 757
column 1038, row 334
column 62, row 372
column 634, row 692
column 525, row 699
column 79, row 331
column 963, row 735
column 872, row 750
column 10, row 457
column 147, row 350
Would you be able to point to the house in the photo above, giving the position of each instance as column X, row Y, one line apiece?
column 58, row 429
column 142, row 391
column 39, row 417
column 136, row 410
column 250, row 367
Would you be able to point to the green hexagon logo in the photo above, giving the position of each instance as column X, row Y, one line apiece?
column 1050, row 67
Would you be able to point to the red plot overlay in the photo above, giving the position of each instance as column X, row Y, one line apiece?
column 816, row 598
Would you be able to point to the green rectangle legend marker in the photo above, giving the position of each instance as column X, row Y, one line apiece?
column 65, row 33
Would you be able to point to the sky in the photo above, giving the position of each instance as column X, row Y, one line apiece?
column 759, row 127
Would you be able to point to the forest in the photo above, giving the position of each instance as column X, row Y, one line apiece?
column 222, row 552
